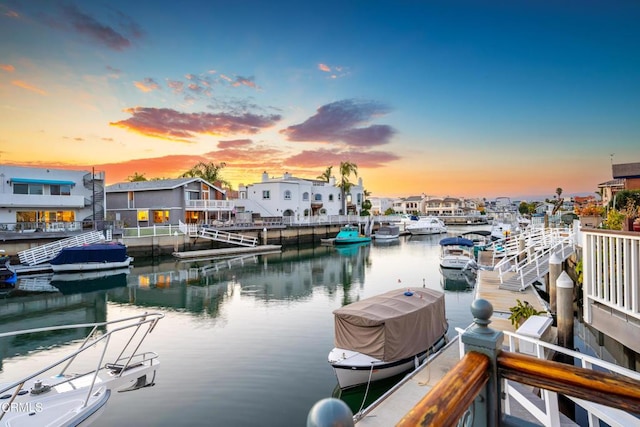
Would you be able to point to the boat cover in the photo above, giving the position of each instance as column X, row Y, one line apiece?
column 393, row 325
column 99, row 252
column 456, row 241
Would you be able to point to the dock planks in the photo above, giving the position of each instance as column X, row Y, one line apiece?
column 224, row 252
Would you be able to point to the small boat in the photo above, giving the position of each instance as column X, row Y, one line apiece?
column 8, row 275
column 97, row 256
column 456, row 252
column 350, row 234
column 57, row 395
column 426, row 225
column 456, row 280
column 386, row 335
column 387, row 232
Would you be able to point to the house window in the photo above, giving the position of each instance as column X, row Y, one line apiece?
column 305, row 196
column 130, row 200
column 287, row 195
column 266, row 194
column 143, row 215
column 317, row 197
column 36, row 189
column 160, row 217
column 331, row 197
column 359, row 198
column 60, row 190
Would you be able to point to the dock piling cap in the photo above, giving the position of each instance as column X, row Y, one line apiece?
column 564, row 281
column 330, row 412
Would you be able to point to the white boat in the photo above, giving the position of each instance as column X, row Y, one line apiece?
column 386, row 335
column 54, row 396
column 97, row 256
column 426, row 225
column 456, row 252
column 387, row 232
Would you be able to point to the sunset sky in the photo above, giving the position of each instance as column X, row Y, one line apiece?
column 460, row 98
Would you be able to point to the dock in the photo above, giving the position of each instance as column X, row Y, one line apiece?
column 225, row 252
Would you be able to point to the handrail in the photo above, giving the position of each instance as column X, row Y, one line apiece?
column 149, row 319
column 608, row 389
column 448, row 400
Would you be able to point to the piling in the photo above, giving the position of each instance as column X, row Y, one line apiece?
column 555, row 268
column 564, row 286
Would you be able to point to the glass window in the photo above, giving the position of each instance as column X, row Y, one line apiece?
column 331, row 197
column 287, row 195
column 20, row 188
column 60, row 190
column 266, row 194
column 317, row 197
column 143, row 215
column 36, row 189
column 305, row 196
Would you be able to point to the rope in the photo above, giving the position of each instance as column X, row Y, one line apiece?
column 364, row 399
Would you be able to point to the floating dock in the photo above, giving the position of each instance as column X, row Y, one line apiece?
column 225, row 252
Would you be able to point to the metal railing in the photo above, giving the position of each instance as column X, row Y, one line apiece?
column 144, row 323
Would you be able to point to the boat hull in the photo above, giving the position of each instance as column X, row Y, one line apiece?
column 354, row 369
column 91, row 266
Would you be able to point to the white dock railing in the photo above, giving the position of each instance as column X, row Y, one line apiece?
column 611, row 271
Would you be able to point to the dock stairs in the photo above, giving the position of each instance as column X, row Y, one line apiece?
column 521, row 267
column 193, row 230
column 43, row 253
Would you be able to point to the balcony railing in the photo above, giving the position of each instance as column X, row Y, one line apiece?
column 210, row 205
column 611, row 271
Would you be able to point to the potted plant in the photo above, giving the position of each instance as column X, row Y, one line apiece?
column 521, row 312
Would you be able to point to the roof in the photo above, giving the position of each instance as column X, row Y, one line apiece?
column 612, row 183
column 626, row 170
column 159, row 184
column 392, row 326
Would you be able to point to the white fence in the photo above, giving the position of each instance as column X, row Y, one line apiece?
column 611, row 271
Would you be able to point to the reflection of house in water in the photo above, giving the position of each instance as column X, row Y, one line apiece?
column 43, row 310
column 201, row 286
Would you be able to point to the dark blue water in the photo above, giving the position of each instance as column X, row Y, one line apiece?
column 244, row 341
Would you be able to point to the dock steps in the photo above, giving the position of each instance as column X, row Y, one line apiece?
column 48, row 251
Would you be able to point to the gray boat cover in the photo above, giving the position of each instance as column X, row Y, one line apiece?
column 393, row 325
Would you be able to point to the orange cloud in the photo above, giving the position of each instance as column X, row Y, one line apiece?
column 147, row 85
column 324, row 67
column 27, row 86
column 7, row 67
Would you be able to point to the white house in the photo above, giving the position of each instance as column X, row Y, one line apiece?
column 49, row 199
column 288, row 196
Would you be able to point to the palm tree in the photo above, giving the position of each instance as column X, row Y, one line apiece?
column 210, row 172
column 136, row 177
column 326, row 175
column 346, row 169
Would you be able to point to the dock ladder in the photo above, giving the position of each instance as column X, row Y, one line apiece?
column 47, row 252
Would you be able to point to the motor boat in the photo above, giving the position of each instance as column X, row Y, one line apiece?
column 387, row 232
column 386, row 335
column 426, row 225
column 350, row 234
column 456, row 252
column 75, row 388
column 96, row 256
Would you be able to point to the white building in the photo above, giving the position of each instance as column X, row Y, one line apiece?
column 49, row 199
column 379, row 205
column 288, row 196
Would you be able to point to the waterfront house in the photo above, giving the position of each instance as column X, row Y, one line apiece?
column 379, row 205
column 626, row 176
column 289, row 196
column 167, row 201
column 50, row 199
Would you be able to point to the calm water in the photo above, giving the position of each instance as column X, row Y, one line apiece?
column 244, row 341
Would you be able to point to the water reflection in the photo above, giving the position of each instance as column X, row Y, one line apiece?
column 456, row 280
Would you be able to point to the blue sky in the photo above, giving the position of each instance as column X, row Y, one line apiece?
column 460, row 98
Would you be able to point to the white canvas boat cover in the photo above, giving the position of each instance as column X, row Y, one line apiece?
column 393, row 325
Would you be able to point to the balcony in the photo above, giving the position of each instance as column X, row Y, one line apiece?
column 210, row 205
column 41, row 201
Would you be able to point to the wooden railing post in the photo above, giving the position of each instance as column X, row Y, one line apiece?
column 482, row 339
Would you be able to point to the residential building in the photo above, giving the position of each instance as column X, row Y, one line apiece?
column 379, row 205
column 626, row 176
column 167, row 201
column 50, row 199
column 289, row 196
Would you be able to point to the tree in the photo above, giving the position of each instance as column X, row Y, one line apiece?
column 326, row 175
column 558, row 201
column 346, row 169
column 136, row 177
column 210, row 172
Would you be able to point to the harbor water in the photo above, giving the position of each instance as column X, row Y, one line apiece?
column 244, row 341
